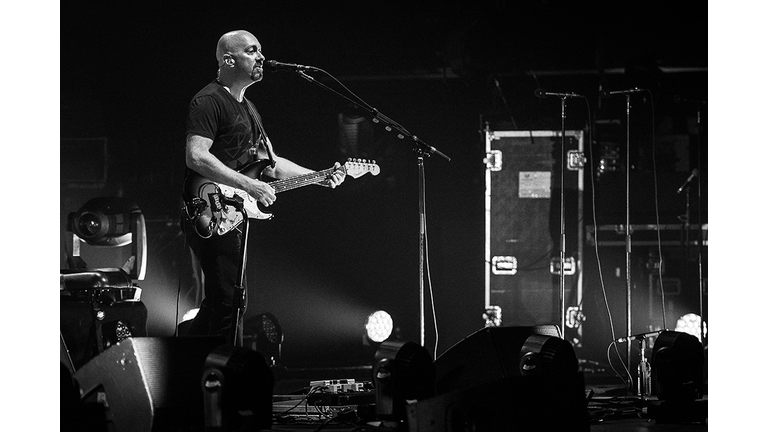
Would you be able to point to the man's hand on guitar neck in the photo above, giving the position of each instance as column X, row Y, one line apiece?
column 336, row 178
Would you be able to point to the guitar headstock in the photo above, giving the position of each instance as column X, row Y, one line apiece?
column 358, row 167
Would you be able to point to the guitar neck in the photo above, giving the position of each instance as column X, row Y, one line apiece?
column 302, row 180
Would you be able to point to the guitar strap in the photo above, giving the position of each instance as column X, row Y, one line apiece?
column 256, row 119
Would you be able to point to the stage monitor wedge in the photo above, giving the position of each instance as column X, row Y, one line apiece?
column 487, row 355
column 150, row 383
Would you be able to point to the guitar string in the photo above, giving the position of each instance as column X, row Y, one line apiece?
column 303, row 180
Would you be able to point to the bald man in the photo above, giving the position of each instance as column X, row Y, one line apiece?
column 224, row 134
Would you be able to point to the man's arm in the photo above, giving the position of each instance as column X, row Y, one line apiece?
column 200, row 159
column 285, row 168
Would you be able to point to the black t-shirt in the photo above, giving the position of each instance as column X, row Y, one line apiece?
column 216, row 114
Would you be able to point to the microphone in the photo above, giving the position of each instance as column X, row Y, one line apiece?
column 542, row 94
column 694, row 174
column 621, row 92
column 276, row 65
column 638, row 336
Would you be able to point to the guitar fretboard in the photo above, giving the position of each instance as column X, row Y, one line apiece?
column 302, row 180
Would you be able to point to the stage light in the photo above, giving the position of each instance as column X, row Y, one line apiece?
column 115, row 331
column 379, row 326
column 264, row 334
column 237, row 386
column 190, row 314
column 186, row 321
column 103, row 221
column 542, row 354
column 403, row 371
column 110, row 222
column 677, row 367
column 691, row 324
column 356, row 131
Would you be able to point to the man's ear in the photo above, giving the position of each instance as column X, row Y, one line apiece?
column 228, row 60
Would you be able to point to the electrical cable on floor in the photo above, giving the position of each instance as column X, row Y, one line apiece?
column 305, row 398
column 600, row 269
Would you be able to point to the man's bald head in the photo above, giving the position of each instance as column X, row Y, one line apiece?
column 240, row 59
column 232, row 42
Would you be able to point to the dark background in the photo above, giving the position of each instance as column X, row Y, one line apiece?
column 444, row 70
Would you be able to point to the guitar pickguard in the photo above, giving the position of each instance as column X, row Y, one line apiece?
column 214, row 216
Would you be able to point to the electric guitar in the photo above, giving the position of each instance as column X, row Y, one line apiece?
column 215, row 208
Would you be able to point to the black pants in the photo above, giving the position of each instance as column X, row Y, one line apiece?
column 219, row 258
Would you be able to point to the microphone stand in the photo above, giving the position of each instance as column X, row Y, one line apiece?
column 562, row 215
column 628, row 240
column 563, row 97
column 701, row 229
column 239, row 295
column 422, row 149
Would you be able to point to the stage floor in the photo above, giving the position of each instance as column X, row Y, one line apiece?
column 610, row 408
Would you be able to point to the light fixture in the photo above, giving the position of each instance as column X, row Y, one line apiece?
column 237, row 387
column 379, row 326
column 356, row 132
column 263, row 333
column 691, row 324
column 115, row 331
column 542, row 354
column 403, row 371
column 111, row 222
column 186, row 321
column 190, row 314
column 677, row 367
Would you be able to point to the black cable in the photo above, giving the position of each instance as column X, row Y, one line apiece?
column 656, row 207
column 602, row 280
column 429, row 282
column 306, row 397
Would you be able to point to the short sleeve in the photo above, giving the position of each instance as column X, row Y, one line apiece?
column 204, row 116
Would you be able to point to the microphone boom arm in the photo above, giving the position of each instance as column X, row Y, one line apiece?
column 378, row 117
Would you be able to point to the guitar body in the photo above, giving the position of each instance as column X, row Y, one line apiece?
column 216, row 209
column 213, row 208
